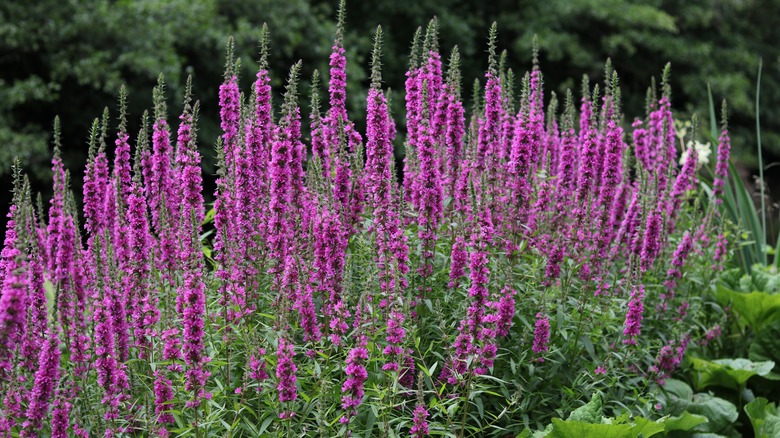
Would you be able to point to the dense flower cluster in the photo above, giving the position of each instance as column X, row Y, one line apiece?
column 331, row 268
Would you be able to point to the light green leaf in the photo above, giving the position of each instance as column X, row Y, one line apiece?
column 757, row 309
column 764, row 417
column 679, row 389
column 766, row 344
column 728, row 373
column 646, row 427
column 719, row 412
column 684, row 422
column 579, row 429
column 592, row 412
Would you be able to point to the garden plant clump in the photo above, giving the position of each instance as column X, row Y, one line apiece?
column 531, row 258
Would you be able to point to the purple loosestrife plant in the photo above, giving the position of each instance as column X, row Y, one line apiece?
column 530, row 214
column 427, row 187
column 455, row 129
column 46, row 378
column 356, row 378
column 722, row 165
column 420, row 424
column 285, row 375
column 541, row 335
column 633, row 324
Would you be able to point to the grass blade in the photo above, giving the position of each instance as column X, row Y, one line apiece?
column 760, row 162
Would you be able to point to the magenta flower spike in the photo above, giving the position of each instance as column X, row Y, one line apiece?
column 420, row 422
column 163, row 395
column 633, row 324
column 488, row 141
column 37, row 308
column 567, row 164
column 428, row 194
column 285, row 372
column 611, row 179
column 111, row 374
column 722, row 165
column 674, row 273
column 651, row 243
column 356, row 378
column 187, row 170
column 541, row 335
column 46, row 379
column 121, row 171
column 455, row 128
column 413, row 97
column 279, row 231
column 159, row 188
column 13, row 305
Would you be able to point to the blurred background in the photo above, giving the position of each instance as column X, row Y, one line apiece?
column 69, row 58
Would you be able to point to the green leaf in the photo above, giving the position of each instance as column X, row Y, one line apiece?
column 679, row 389
column 719, row 413
column 646, row 428
column 579, row 429
column 764, row 417
column 592, row 412
column 526, row 433
column 766, row 344
column 728, row 373
column 757, row 309
column 684, row 422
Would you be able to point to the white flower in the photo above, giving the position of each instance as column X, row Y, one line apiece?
column 703, row 151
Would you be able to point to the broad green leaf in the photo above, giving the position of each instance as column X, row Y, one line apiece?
column 526, row 433
column 766, row 344
column 719, row 413
column 764, row 417
column 684, row 422
column 592, row 412
column 757, row 309
column 646, row 427
column 579, row 429
column 728, row 373
column 679, row 388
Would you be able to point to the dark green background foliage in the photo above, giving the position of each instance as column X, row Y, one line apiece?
column 70, row 57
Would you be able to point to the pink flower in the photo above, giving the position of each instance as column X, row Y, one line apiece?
column 285, row 371
column 420, row 422
column 541, row 335
column 633, row 323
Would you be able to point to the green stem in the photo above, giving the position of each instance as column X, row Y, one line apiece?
column 462, row 431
